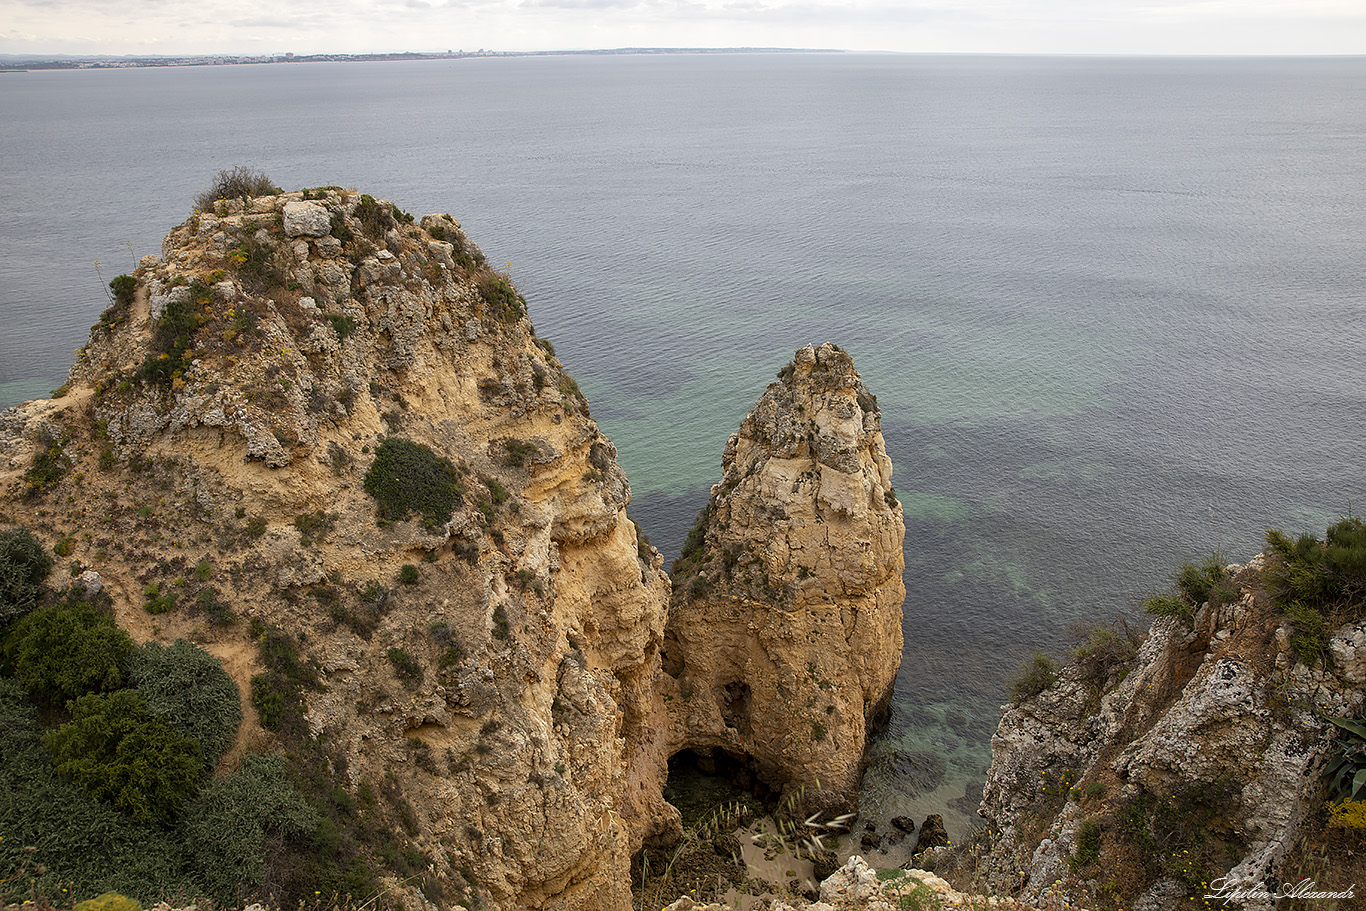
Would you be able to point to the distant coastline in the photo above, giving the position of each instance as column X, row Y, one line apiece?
column 20, row 63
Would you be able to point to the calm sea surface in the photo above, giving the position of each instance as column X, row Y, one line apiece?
column 1112, row 309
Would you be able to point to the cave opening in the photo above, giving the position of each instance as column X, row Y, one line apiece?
column 704, row 779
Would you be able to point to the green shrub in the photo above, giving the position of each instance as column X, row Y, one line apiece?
column 218, row 611
column 694, row 548
column 66, row 650
column 126, row 756
column 407, row 574
column 1088, row 846
column 239, row 183
column 518, row 451
column 122, row 291
column 50, row 465
column 1169, row 604
column 1193, row 585
column 24, row 564
column 374, row 218
column 342, row 324
column 314, row 525
column 505, row 304
column 230, row 825
column 406, row 667
column 157, row 603
column 257, row 271
column 278, row 693
column 407, row 477
column 1318, row 584
column 109, row 901
column 79, row 844
column 189, row 688
column 173, row 338
column 1346, row 772
column 271, row 701
column 1182, row 835
column 1036, row 675
column 1102, row 652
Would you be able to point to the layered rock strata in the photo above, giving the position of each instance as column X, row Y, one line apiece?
column 784, row 636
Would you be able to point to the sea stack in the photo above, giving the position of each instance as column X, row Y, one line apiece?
column 784, row 634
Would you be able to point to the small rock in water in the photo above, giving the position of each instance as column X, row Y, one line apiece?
column 932, row 833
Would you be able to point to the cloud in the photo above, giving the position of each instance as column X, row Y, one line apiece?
column 352, row 26
column 580, row 4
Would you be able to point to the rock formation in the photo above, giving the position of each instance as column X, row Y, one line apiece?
column 476, row 636
column 1143, row 780
column 784, row 635
column 227, row 410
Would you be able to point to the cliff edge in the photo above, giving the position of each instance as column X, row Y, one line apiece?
column 1183, row 768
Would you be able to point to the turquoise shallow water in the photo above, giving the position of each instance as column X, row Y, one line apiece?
column 1111, row 308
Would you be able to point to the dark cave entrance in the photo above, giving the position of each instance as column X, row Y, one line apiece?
column 704, row 779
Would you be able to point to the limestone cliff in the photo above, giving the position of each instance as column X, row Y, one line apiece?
column 784, row 636
column 213, row 441
column 1136, row 780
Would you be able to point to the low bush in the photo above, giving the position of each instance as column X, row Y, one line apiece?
column 374, row 218
column 1318, row 585
column 67, row 839
column 1035, row 676
column 240, row 182
column 189, row 688
column 126, row 756
column 24, row 564
column 257, row 271
column 405, row 667
column 109, row 901
column 407, row 477
column 230, row 825
column 505, row 304
column 314, row 525
column 173, row 338
column 1087, row 847
column 66, row 650
column 1103, row 652
column 219, row 612
column 50, row 465
column 122, row 291
column 1193, row 586
column 1183, row 835
column 343, row 325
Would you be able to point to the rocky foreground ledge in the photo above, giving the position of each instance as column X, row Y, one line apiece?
column 858, row 887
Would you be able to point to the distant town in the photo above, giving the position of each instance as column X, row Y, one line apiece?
column 19, row 62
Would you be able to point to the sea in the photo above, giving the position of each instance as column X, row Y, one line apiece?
column 1112, row 308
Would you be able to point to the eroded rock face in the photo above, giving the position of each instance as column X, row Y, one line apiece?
column 1214, row 726
column 525, row 744
column 784, row 637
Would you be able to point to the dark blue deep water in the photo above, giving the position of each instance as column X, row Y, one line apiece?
column 1112, row 309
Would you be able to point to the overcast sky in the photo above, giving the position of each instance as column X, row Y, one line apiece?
column 358, row 26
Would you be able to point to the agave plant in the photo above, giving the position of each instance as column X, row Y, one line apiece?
column 1346, row 773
